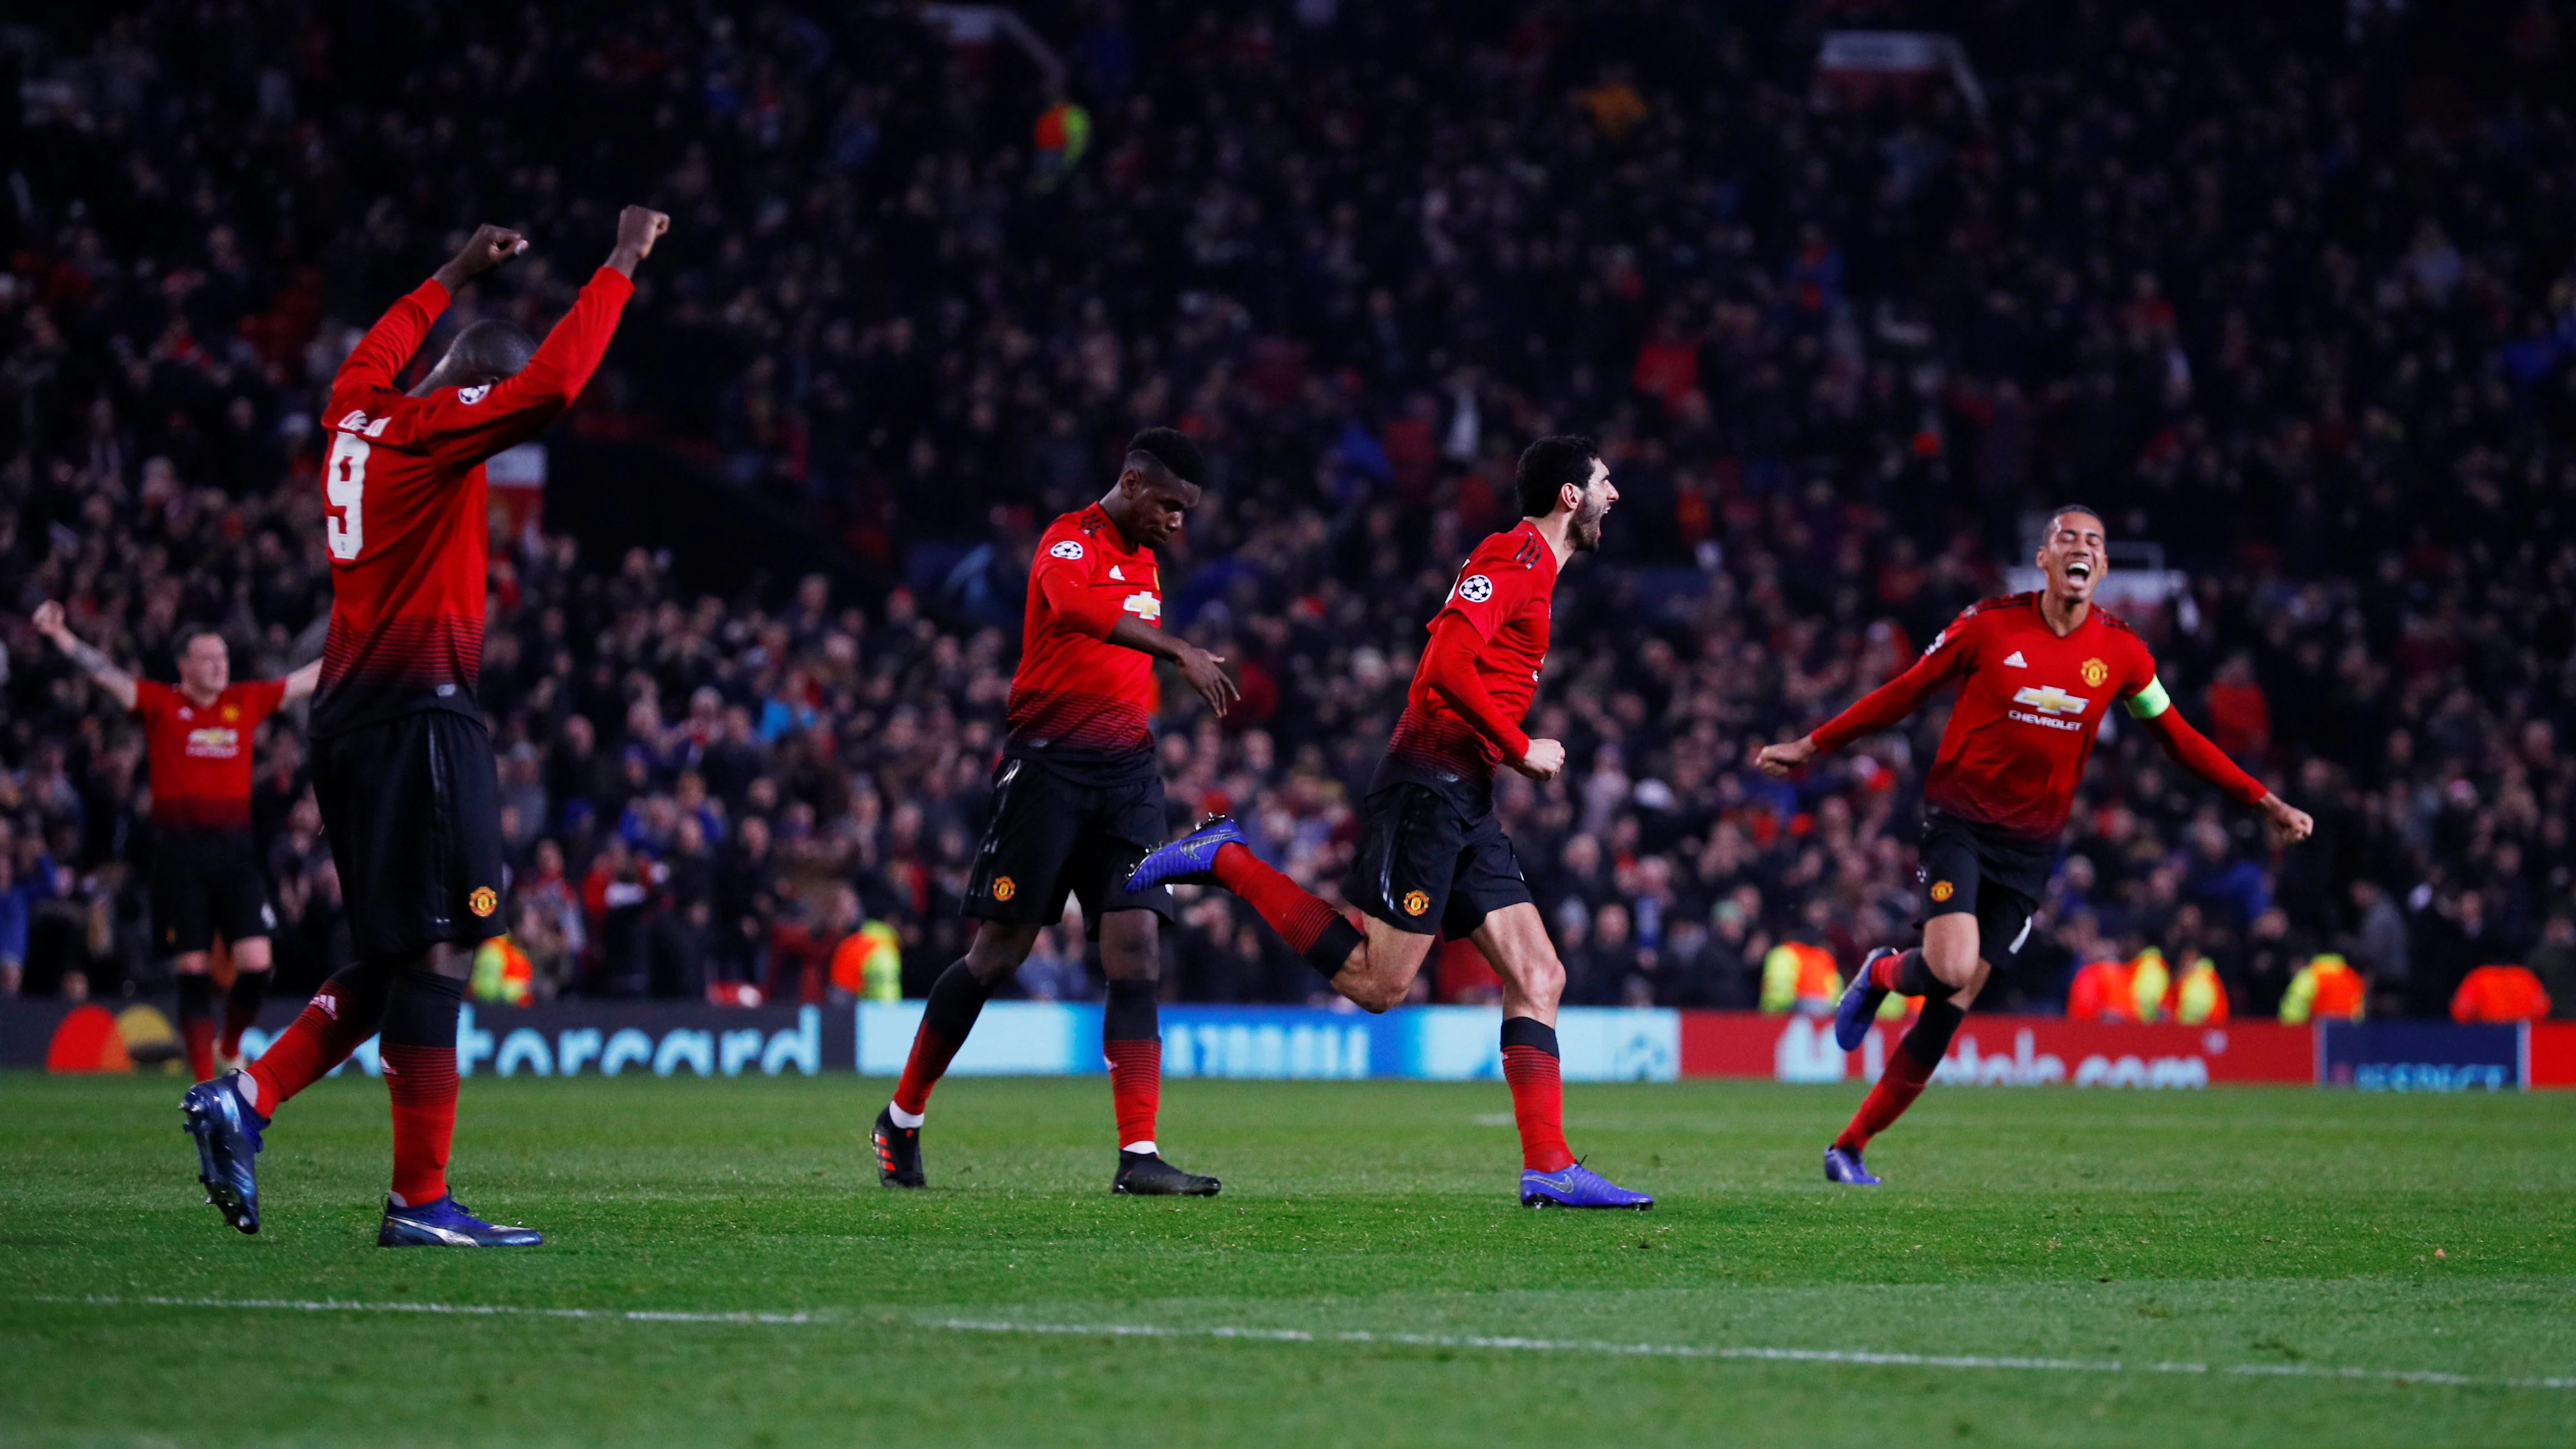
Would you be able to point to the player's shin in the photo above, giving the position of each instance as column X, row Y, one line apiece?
column 419, row 1052
column 197, row 1023
column 344, row 1013
column 956, row 999
column 1131, row 1038
column 1530, row 1067
column 1306, row 921
column 1909, row 1068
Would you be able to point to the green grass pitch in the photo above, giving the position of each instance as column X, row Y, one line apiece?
column 1367, row 1278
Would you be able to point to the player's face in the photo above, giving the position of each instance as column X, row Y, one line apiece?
column 205, row 666
column 1157, row 504
column 1584, row 529
column 2074, row 556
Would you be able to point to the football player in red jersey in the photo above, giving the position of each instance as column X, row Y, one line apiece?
column 1077, row 802
column 2037, row 673
column 402, row 766
column 206, row 877
column 1432, row 860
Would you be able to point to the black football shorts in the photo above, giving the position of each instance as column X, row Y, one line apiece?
column 1431, row 861
column 1068, row 828
column 207, row 883
column 411, row 808
column 1997, row 877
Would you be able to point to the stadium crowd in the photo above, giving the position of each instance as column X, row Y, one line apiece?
column 2287, row 304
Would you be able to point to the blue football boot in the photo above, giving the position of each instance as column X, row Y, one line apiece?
column 1577, row 1187
column 1190, row 860
column 1844, row 1167
column 1859, row 1006
column 447, row 1223
column 227, row 1133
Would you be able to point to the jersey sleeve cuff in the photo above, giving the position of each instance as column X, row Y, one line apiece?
column 434, row 295
column 615, row 281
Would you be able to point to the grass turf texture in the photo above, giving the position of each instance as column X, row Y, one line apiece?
column 2231, row 1227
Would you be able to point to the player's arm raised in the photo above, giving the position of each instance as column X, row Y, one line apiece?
column 2153, row 709
column 380, row 355
column 93, row 661
column 300, row 684
column 480, row 422
column 1944, row 661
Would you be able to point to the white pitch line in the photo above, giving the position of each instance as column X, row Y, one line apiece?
column 1857, row 1357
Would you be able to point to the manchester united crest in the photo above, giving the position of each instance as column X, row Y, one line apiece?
column 1416, row 902
column 2095, row 671
column 1004, row 888
column 1940, row 890
column 483, row 901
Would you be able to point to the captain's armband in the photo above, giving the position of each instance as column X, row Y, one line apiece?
column 2149, row 702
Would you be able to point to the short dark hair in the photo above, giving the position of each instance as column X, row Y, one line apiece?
column 2087, row 509
column 191, row 633
column 1549, row 465
column 492, row 347
column 1171, row 448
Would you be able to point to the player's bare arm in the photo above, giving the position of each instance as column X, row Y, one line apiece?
column 300, row 683
column 92, row 660
column 638, row 227
column 1205, row 671
column 487, row 249
column 1782, row 760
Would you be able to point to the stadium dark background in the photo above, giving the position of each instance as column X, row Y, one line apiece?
column 2287, row 291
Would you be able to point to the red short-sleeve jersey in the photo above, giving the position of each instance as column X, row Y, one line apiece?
column 1074, row 690
column 201, row 753
column 404, row 490
column 1505, row 592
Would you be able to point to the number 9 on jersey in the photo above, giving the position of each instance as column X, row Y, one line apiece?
column 345, row 484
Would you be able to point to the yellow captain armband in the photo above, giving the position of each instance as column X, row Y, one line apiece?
column 2149, row 702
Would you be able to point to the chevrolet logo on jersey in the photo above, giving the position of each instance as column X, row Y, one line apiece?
column 1145, row 607
column 2050, row 699
column 213, row 743
column 2051, row 702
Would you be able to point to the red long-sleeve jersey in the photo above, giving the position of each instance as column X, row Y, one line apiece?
column 404, row 491
column 1477, row 676
column 1075, row 693
column 2030, row 705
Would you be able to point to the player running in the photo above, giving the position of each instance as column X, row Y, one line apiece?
column 2038, row 673
column 402, row 767
column 206, row 876
column 1432, row 859
column 1077, row 802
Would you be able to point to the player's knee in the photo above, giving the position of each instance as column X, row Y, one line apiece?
column 1375, row 994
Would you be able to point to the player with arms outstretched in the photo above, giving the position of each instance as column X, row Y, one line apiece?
column 206, row 877
column 1077, row 802
column 402, row 766
column 1432, row 859
column 2037, row 673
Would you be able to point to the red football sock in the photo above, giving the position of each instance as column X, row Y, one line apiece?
column 1884, row 971
column 422, row 1083
column 923, row 1068
column 1135, row 1087
column 1538, row 1094
column 1296, row 913
column 1897, row 1087
column 197, row 1023
column 956, row 999
column 343, row 1014
column 198, row 1035
column 241, row 1009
